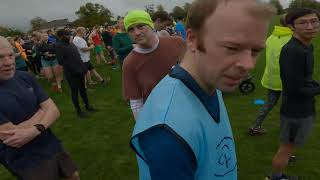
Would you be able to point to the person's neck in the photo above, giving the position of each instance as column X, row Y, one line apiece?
column 304, row 41
column 189, row 63
column 150, row 44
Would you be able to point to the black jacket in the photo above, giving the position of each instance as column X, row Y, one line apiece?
column 296, row 72
column 69, row 57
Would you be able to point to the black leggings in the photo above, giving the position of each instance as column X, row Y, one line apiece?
column 77, row 84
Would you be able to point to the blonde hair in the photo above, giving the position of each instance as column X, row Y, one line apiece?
column 79, row 29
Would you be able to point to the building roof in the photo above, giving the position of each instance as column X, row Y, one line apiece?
column 55, row 24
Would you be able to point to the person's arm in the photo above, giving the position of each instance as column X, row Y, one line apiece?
column 8, row 125
column 136, row 107
column 82, row 45
column 21, row 136
column 312, row 90
column 292, row 69
column 86, row 49
column 167, row 155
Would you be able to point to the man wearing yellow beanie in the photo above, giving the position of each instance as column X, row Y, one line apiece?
column 150, row 60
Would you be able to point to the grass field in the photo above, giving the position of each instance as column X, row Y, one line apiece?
column 99, row 144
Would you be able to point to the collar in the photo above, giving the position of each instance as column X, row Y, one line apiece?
column 210, row 102
column 147, row 51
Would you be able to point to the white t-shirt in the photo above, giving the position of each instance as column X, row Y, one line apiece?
column 81, row 43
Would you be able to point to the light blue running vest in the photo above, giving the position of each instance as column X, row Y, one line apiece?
column 173, row 104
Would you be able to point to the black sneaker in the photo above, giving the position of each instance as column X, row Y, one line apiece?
column 82, row 114
column 283, row 177
column 256, row 131
column 91, row 109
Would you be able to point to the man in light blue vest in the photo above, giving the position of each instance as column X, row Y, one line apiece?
column 183, row 131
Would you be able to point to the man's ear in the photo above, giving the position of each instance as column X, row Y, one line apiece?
column 191, row 40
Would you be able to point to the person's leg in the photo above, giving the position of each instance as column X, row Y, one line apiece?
column 281, row 159
column 47, row 169
column 38, row 65
column 47, row 72
column 88, row 75
column 84, row 95
column 33, row 66
column 73, row 84
column 75, row 176
column 102, row 56
column 88, row 78
column 68, row 169
column 97, row 75
column 97, row 51
column 57, row 70
column 273, row 97
column 82, row 89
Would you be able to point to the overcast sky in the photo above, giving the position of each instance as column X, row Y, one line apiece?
column 18, row 13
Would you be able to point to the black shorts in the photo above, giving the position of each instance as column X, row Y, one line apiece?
column 59, row 166
column 88, row 65
column 295, row 130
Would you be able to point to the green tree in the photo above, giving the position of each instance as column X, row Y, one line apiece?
column 160, row 8
column 37, row 22
column 305, row 4
column 277, row 5
column 178, row 12
column 91, row 14
column 5, row 32
column 186, row 8
column 149, row 8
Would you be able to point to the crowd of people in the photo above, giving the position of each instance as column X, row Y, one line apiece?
column 173, row 80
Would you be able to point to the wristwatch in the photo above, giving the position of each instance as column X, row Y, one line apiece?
column 40, row 127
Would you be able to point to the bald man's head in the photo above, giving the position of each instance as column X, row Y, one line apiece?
column 4, row 43
column 7, row 60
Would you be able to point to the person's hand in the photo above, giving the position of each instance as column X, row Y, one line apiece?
column 91, row 46
column 4, row 136
column 20, row 137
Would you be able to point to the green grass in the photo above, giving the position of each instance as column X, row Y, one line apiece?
column 99, row 145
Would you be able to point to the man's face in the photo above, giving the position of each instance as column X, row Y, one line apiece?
column 44, row 37
column 82, row 32
column 307, row 26
column 121, row 25
column 232, row 39
column 7, row 63
column 141, row 34
column 159, row 25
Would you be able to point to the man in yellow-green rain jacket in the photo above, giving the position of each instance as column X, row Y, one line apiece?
column 271, row 77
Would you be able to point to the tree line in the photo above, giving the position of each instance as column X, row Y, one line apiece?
column 91, row 14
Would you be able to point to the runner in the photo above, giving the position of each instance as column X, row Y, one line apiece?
column 150, row 60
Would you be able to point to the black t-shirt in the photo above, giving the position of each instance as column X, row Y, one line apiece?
column 296, row 72
column 68, row 56
column 47, row 48
column 21, row 97
column 107, row 38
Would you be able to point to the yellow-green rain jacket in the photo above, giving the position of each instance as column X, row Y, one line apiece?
column 271, row 77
